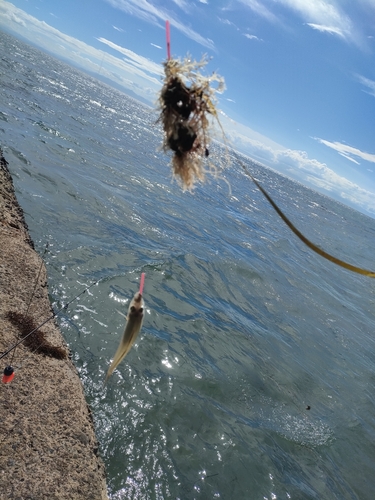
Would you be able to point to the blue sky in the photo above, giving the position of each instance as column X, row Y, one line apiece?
column 300, row 74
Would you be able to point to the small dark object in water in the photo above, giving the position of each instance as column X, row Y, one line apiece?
column 308, row 407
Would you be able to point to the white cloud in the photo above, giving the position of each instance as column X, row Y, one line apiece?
column 332, row 30
column 135, row 59
column 244, row 137
column 321, row 176
column 182, row 4
column 349, row 158
column 326, row 16
column 15, row 19
column 136, row 73
column 321, row 15
column 226, row 21
column 157, row 46
column 146, row 11
column 347, row 191
column 252, row 37
column 260, row 9
column 118, row 29
column 142, row 9
column 348, row 151
column 295, row 159
column 370, row 84
column 297, row 164
column 320, row 12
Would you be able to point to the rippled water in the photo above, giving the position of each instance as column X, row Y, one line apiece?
column 244, row 328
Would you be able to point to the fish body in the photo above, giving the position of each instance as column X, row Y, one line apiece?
column 133, row 325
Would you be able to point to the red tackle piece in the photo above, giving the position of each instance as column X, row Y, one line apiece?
column 8, row 375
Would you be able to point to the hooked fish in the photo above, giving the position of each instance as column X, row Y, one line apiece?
column 133, row 325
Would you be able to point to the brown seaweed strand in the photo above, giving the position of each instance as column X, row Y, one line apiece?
column 306, row 241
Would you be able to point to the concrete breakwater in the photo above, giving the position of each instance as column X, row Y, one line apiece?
column 48, row 447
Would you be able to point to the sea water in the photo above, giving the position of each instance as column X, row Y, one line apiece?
column 245, row 328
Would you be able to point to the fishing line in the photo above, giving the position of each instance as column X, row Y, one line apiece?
column 57, row 352
column 37, row 278
column 48, row 319
column 168, row 37
column 32, row 294
column 306, row 241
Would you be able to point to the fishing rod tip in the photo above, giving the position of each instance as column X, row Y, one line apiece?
column 142, row 282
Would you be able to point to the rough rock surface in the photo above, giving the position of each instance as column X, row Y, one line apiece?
column 48, row 447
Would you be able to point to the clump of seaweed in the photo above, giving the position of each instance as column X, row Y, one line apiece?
column 37, row 342
column 186, row 102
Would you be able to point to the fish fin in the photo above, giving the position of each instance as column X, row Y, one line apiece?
column 111, row 369
column 122, row 314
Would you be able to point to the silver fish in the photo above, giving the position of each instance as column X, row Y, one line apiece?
column 132, row 328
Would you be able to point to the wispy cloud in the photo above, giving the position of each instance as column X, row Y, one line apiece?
column 118, row 29
column 321, row 13
column 14, row 18
column 134, row 58
column 142, row 9
column 366, row 82
column 317, row 10
column 347, row 190
column 157, row 46
column 348, row 151
column 260, row 9
column 226, row 21
column 148, row 12
column 326, row 16
column 298, row 165
column 252, row 37
column 182, row 4
column 349, row 158
column 332, row 30
column 321, row 176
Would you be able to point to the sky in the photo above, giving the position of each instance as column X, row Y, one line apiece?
column 299, row 74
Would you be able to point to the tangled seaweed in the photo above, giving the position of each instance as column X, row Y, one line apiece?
column 186, row 101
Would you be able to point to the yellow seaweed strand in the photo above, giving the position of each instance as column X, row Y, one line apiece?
column 306, row 241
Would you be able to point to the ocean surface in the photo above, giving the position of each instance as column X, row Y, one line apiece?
column 245, row 327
